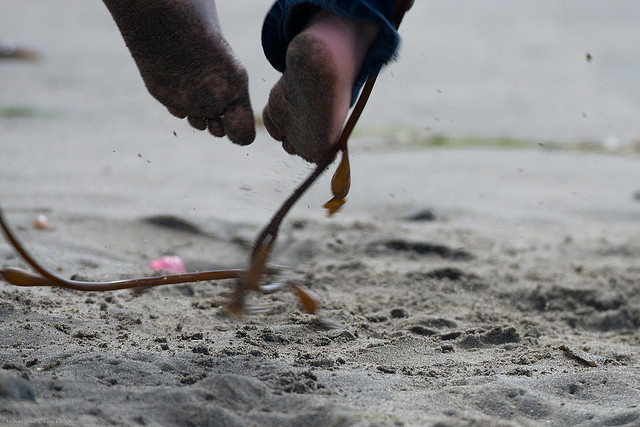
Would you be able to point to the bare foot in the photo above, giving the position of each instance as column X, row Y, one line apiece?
column 309, row 104
column 187, row 64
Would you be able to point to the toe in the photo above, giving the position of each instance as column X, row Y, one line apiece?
column 270, row 126
column 177, row 112
column 199, row 123
column 216, row 128
column 238, row 122
column 288, row 147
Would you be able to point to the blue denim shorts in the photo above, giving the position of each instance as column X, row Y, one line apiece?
column 288, row 17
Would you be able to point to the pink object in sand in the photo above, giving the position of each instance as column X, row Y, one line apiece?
column 42, row 223
column 169, row 263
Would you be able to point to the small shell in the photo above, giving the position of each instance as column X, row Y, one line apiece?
column 42, row 223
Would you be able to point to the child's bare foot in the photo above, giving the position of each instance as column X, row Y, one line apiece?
column 308, row 105
column 186, row 63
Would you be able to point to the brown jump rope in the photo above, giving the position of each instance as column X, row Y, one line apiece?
column 247, row 280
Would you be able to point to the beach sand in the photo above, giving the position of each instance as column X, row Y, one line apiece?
column 458, row 275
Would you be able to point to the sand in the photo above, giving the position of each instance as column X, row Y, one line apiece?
column 456, row 273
